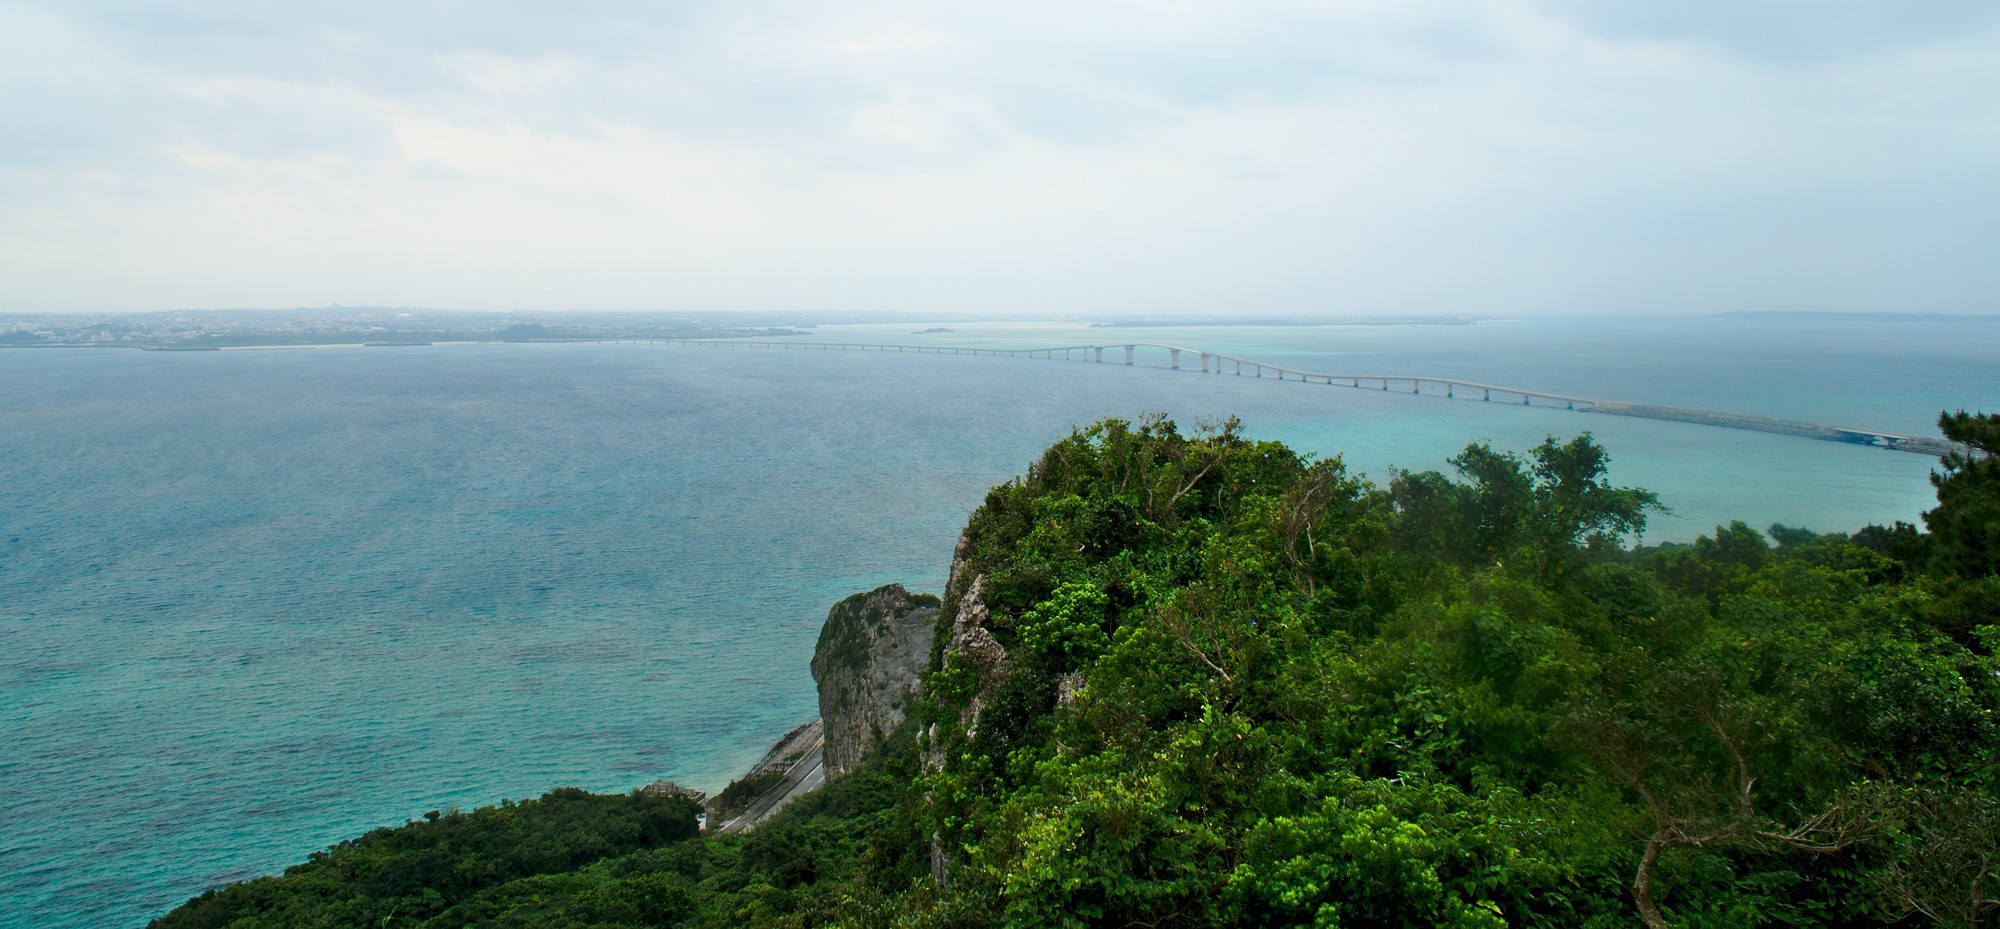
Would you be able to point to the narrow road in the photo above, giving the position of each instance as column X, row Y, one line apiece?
column 805, row 776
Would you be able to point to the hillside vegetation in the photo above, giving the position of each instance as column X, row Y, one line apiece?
column 1200, row 680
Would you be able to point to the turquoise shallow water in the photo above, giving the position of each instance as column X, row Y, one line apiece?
column 252, row 603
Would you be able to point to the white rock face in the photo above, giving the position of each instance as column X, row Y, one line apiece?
column 872, row 654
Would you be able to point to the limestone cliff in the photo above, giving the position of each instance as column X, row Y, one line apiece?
column 870, row 660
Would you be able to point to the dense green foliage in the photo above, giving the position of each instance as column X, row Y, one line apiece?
column 1242, row 687
column 452, row 868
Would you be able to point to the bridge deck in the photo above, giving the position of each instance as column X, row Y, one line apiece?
column 1450, row 387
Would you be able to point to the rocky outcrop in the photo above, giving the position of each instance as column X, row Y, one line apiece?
column 1068, row 687
column 973, row 647
column 871, row 657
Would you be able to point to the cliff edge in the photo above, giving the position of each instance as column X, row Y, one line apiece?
column 870, row 659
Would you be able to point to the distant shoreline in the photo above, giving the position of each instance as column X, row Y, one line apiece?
column 1209, row 321
column 1858, row 317
column 274, row 346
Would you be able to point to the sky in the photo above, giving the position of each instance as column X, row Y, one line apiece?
column 1361, row 157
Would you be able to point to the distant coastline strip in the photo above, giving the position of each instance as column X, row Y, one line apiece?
column 1210, row 362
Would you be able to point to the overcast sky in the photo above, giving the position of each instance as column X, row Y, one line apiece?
column 1476, row 157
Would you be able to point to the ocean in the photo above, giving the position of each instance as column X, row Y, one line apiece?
column 256, row 602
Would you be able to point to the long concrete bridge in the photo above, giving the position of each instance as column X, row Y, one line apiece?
column 1184, row 358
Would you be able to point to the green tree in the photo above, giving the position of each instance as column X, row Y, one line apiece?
column 1965, row 526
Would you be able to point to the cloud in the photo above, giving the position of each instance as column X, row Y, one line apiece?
column 1449, row 156
column 1787, row 32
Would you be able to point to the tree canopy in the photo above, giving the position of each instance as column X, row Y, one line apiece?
column 1225, row 684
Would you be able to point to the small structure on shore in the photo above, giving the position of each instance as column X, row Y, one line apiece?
column 672, row 789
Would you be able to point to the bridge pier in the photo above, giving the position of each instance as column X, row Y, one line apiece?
column 1174, row 362
column 1918, row 444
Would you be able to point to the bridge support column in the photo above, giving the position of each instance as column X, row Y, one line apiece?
column 1128, row 354
column 1239, row 369
column 1100, row 355
column 1489, row 395
column 1204, row 362
column 1416, row 387
column 1175, row 361
column 1447, row 391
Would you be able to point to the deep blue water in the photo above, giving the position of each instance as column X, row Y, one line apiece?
column 252, row 603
